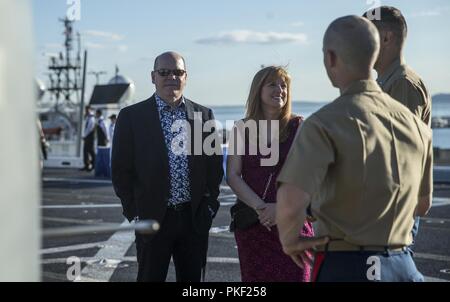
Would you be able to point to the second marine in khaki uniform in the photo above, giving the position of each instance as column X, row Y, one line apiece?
column 394, row 76
column 405, row 86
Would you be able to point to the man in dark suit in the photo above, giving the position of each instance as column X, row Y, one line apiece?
column 154, row 180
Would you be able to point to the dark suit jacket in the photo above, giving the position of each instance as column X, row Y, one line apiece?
column 140, row 168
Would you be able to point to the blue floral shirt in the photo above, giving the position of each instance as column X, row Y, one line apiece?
column 176, row 143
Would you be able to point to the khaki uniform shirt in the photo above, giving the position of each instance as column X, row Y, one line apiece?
column 365, row 160
column 404, row 85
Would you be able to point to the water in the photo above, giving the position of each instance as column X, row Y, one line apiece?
column 441, row 136
column 440, row 108
column 233, row 113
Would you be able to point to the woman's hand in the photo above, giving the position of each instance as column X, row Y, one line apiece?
column 267, row 215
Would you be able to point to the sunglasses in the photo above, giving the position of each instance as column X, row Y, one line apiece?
column 167, row 72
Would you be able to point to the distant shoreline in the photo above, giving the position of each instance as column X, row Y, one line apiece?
column 294, row 102
column 437, row 98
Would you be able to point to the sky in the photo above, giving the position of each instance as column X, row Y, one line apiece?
column 225, row 42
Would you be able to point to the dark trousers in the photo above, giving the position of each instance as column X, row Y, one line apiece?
column 176, row 238
column 358, row 267
column 88, row 150
column 102, row 162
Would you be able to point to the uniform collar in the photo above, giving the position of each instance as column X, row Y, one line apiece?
column 391, row 69
column 362, row 86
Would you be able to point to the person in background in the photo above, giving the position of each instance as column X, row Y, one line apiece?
column 101, row 132
column 102, row 163
column 395, row 77
column 112, row 125
column 88, row 140
column 43, row 144
column 261, row 257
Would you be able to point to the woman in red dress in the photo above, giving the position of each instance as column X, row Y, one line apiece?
column 260, row 254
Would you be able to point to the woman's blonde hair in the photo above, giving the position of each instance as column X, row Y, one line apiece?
column 254, row 103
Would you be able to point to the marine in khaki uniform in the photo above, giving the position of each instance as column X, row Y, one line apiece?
column 360, row 163
column 394, row 76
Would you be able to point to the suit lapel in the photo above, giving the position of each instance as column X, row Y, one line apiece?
column 192, row 158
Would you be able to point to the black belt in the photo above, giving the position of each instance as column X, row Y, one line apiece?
column 179, row 206
column 343, row 246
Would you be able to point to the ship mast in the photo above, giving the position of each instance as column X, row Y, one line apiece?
column 65, row 71
column 67, row 76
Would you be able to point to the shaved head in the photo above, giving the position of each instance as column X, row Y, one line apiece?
column 355, row 40
column 169, row 55
column 169, row 76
